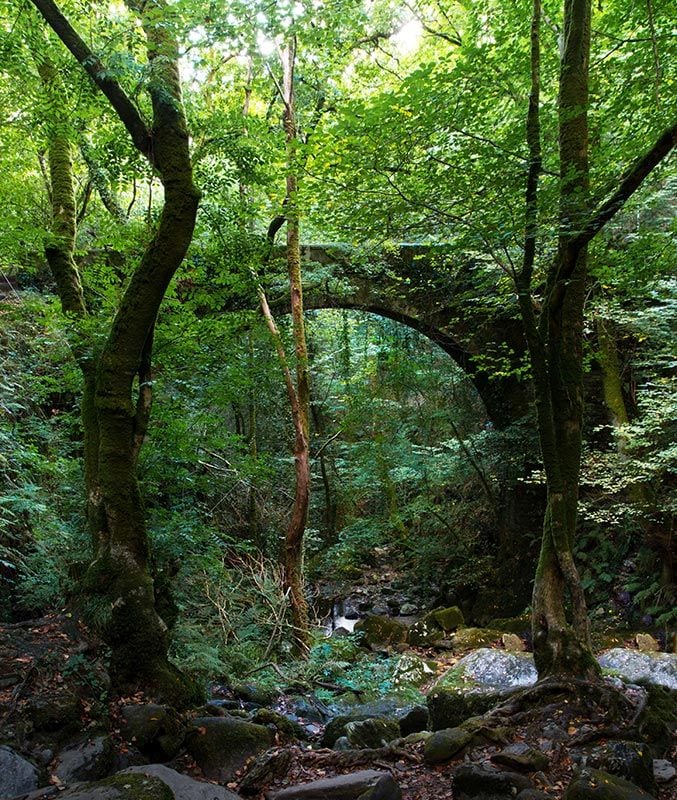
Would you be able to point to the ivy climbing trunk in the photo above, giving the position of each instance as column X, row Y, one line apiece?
column 117, row 389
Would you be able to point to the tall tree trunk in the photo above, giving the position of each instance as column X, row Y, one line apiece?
column 115, row 422
column 293, row 546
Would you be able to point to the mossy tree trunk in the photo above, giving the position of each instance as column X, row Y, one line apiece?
column 657, row 533
column 117, row 390
column 555, row 339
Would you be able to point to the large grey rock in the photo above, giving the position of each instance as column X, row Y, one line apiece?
column 182, row 787
column 17, row 776
column 634, row 666
column 89, row 760
column 477, row 781
column 413, row 719
column 595, row 784
column 495, row 669
column 221, row 745
column 367, row 784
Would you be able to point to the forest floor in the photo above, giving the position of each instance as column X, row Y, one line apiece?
column 53, row 685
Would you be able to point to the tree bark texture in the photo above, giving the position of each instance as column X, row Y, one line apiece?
column 115, row 424
column 293, row 547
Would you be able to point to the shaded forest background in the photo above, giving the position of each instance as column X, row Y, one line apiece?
column 410, row 129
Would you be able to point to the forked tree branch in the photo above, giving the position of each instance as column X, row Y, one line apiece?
column 90, row 62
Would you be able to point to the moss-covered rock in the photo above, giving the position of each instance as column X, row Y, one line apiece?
column 288, row 728
column 411, row 670
column 449, row 708
column 449, row 619
column 434, row 626
column 520, row 624
column 381, row 630
column 473, row 638
column 155, row 730
column 445, row 744
column 221, row 745
column 372, row 733
column 595, row 784
column 122, row 787
column 657, row 723
column 255, row 693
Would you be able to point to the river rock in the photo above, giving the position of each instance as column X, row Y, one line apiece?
column 153, row 729
column 595, row 784
column 221, row 745
column 17, row 776
column 372, row 733
column 89, row 760
column 630, row 760
column 449, row 708
column 663, row 771
column 377, row 630
column 121, row 787
column 411, row 670
column 254, row 693
column 475, row 780
column 646, row 643
column 473, row 638
column 367, row 784
column 634, row 666
column 522, row 758
column 413, row 719
column 491, row 669
column 181, row 786
column 445, row 744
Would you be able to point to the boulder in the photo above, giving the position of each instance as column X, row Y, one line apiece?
column 181, row 786
column 448, row 709
column 264, row 770
column 663, row 771
column 433, row 627
column 647, row 643
column 413, row 719
column 155, row 730
column 657, row 722
column 411, row 670
column 473, row 638
column 636, row 666
column 513, row 643
column 630, row 760
column 17, row 776
column 367, row 784
column 221, row 745
column 372, row 733
column 386, row 708
column 121, row 787
column 290, row 729
column 254, row 693
column 445, row 744
column 59, row 713
column 88, row 760
column 381, row 630
column 449, row 619
column 493, row 669
column 475, row 780
column 519, row 625
column 595, row 784
column 521, row 758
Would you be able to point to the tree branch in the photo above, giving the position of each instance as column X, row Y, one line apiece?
column 629, row 184
column 125, row 109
